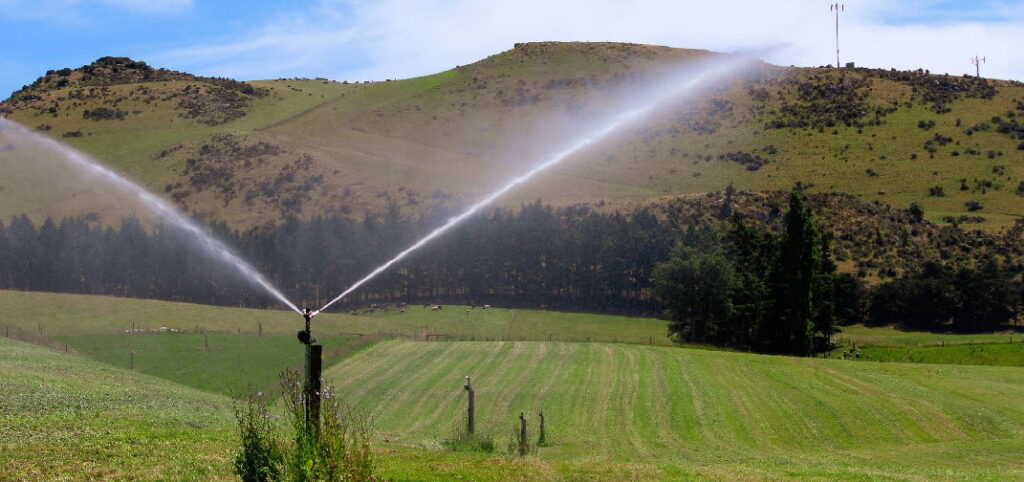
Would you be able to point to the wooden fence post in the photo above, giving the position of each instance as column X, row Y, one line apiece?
column 523, row 442
column 470, row 407
column 541, row 440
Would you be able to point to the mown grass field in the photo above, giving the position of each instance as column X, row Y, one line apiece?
column 615, row 411
column 686, row 413
column 235, row 351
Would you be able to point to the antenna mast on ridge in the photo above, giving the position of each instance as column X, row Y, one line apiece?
column 837, row 7
column 977, row 61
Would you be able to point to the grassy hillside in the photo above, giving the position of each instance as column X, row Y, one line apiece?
column 69, row 418
column 897, row 137
column 686, row 413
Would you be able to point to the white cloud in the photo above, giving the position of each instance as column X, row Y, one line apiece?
column 360, row 39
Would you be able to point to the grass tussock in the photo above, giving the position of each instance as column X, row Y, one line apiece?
column 462, row 440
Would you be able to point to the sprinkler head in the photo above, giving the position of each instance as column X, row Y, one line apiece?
column 306, row 336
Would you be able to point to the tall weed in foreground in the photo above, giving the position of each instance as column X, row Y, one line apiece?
column 338, row 451
column 259, row 458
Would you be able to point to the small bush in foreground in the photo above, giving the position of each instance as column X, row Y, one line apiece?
column 463, row 441
column 339, row 450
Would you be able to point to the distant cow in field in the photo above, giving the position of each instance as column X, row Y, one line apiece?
column 436, row 308
column 487, row 306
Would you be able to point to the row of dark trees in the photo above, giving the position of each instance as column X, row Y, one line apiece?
column 736, row 286
column 568, row 258
column 964, row 299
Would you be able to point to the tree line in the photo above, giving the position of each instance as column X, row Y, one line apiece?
column 728, row 284
column 534, row 256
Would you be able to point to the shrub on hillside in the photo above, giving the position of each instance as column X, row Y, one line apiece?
column 104, row 113
column 916, row 211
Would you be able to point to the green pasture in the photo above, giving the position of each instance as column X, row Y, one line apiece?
column 861, row 335
column 232, row 365
column 66, row 417
column 615, row 412
column 58, row 314
column 1000, row 354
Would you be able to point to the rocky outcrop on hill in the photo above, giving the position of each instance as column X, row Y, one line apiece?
column 109, row 71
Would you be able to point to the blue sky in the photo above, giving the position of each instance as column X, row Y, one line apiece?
column 363, row 39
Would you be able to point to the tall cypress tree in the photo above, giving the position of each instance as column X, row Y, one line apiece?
column 801, row 259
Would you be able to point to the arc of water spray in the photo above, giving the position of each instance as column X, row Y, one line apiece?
column 616, row 122
column 162, row 208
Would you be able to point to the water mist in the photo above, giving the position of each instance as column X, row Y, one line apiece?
column 680, row 86
column 88, row 166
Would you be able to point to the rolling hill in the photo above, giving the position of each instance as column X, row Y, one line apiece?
column 252, row 152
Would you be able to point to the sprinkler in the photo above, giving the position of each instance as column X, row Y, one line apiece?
column 305, row 336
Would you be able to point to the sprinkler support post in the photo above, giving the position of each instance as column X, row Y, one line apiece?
column 314, row 364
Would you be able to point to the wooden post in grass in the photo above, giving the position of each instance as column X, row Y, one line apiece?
column 470, row 407
column 131, row 360
column 260, row 332
column 206, row 341
column 523, row 442
column 541, row 440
